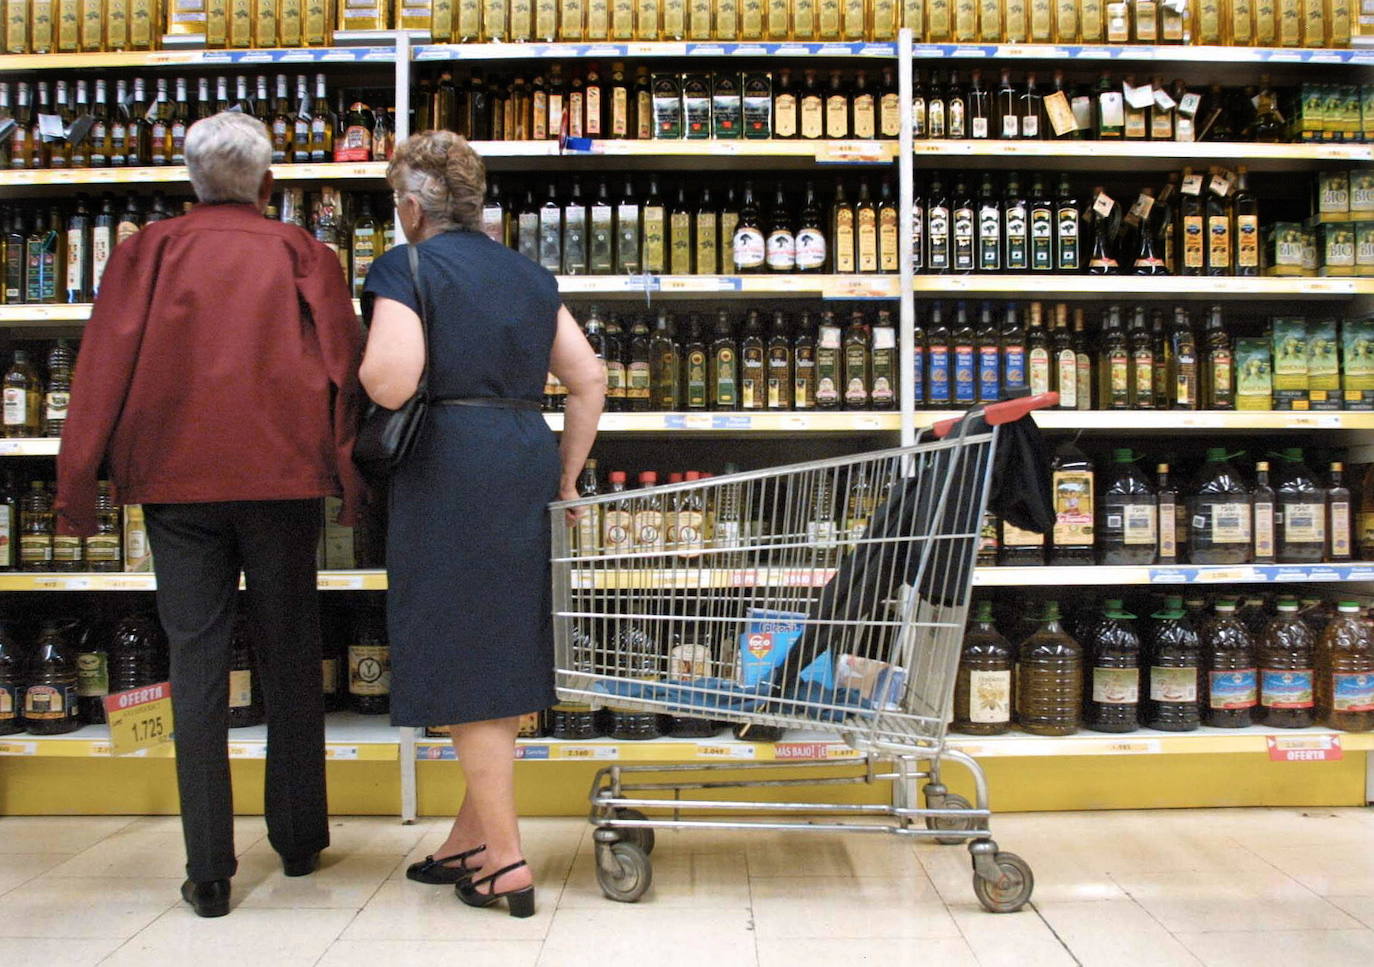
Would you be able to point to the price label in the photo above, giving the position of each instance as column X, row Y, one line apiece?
column 1225, row 575
column 1104, row 204
column 139, row 719
column 18, row 748
column 590, row 752
column 726, row 751
column 1133, row 747
column 341, row 582
column 341, row 752
column 1304, row 748
column 852, row 152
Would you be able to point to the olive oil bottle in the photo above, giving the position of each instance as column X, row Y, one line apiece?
column 1111, row 680
column 983, row 697
column 1175, row 658
column 1049, row 679
column 1072, row 482
column 1230, row 688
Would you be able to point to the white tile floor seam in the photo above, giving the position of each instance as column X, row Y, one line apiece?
column 1194, row 888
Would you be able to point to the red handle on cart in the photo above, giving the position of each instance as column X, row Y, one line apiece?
column 1008, row 411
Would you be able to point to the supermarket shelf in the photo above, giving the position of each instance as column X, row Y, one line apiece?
column 1104, row 576
column 824, row 746
column 286, row 56
column 371, row 171
column 1119, row 287
column 1138, row 155
column 513, row 155
column 1150, row 53
column 799, row 285
column 360, row 580
column 44, row 316
column 348, row 737
column 638, row 49
column 733, row 424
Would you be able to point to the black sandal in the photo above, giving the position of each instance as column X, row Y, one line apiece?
column 520, row 902
column 440, row 872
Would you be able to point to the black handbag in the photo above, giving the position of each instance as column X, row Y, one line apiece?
column 387, row 437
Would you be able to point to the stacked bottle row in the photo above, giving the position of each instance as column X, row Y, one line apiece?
column 29, row 540
column 1139, row 357
column 1289, row 23
column 1199, row 224
column 57, row 682
column 762, row 363
column 698, row 231
column 54, row 257
column 1221, row 665
column 1114, row 513
column 35, row 403
column 136, row 123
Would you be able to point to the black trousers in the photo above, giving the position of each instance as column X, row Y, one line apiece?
column 198, row 552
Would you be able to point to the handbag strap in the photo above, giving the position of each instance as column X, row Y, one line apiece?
column 412, row 253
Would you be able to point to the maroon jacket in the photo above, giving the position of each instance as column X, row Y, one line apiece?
column 220, row 363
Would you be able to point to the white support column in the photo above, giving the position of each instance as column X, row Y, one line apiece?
column 906, row 192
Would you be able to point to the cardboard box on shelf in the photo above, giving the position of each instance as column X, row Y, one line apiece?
column 1289, row 336
column 1254, row 375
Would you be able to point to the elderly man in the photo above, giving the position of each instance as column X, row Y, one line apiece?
column 218, row 382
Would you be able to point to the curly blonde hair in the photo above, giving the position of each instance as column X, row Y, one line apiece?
column 444, row 174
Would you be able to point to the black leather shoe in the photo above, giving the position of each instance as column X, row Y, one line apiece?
column 210, row 899
column 450, row 869
column 300, row 866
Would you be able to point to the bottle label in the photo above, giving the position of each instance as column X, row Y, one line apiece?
column 1144, row 360
column 727, row 533
column 1219, row 241
column 1119, row 373
column 1286, row 689
column 1137, row 523
column 35, row 549
column 938, row 221
column 938, row 380
column 1073, row 503
column 1011, row 126
column 820, row 533
column 782, row 250
column 1173, row 684
column 1247, row 241
column 810, row 249
column 1340, row 529
column 964, row 376
column 1168, row 534
column 637, row 387
column 648, row 528
column 16, row 406
column 1352, row 692
column 1013, row 536
column 989, row 697
column 1042, row 239
column 369, row 670
column 989, row 382
column 1303, row 523
column 990, row 237
column 1234, row 689
column 9, row 702
column 1039, row 371
column 1014, row 359
column 92, row 675
column 1116, row 686
column 1016, row 219
column 48, row 702
column 725, row 373
column 688, row 534
column 66, row 550
column 749, row 248
column 615, row 379
column 890, row 116
column 56, row 403
column 617, row 527
column 240, row 688
column 1264, row 530
column 1192, row 242
column 1068, row 239
column 1230, row 522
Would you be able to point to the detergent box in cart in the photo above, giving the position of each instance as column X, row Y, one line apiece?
column 766, row 642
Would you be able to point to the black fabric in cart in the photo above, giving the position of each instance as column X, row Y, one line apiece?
column 469, row 611
column 1019, row 492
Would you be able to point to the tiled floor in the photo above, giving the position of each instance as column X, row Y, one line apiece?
column 1247, row 887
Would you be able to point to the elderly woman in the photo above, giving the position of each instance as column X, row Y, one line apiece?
column 218, row 380
column 468, row 548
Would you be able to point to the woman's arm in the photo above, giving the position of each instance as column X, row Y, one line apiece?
column 578, row 368
column 395, row 355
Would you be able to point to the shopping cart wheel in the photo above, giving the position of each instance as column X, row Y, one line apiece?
column 1012, row 888
column 641, row 836
column 949, row 800
column 623, row 870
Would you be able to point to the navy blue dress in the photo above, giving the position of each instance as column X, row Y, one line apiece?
column 468, row 611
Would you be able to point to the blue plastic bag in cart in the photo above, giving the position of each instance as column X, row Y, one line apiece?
column 719, row 695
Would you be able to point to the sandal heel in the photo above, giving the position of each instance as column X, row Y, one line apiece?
column 521, row 903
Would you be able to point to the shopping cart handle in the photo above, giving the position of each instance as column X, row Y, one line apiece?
column 1008, row 411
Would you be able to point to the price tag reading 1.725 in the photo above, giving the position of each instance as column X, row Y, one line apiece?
column 139, row 719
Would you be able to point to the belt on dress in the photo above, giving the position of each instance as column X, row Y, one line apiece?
column 496, row 402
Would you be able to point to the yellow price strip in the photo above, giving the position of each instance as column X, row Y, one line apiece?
column 139, row 719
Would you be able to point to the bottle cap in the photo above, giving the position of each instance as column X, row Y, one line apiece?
column 673, row 478
column 1288, row 604
column 1162, row 468
column 1349, row 607
column 1123, row 456
column 591, row 463
column 984, row 610
column 647, row 478
column 1225, row 605
column 1292, row 454
column 1173, row 602
column 693, row 475
column 1216, row 454
column 1111, row 604
column 1051, row 612
column 731, row 468
column 1262, row 466
column 1338, row 467
column 617, row 476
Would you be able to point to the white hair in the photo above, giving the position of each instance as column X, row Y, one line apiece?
column 227, row 155
column 432, row 193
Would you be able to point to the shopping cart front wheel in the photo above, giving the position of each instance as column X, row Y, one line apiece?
column 623, row 871
column 1009, row 890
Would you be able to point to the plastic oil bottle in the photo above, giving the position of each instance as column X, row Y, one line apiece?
column 50, row 706
column 1127, row 514
column 1049, row 679
column 1300, row 520
column 1111, row 698
column 1175, row 656
column 637, row 655
column 1219, row 514
column 1286, row 659
column 982, row 689
column 138, row 653
column 12, row 674
column 1073, row 487
column 1345, row 672
column 1230, row 683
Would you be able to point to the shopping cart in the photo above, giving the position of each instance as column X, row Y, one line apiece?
column 827, row 597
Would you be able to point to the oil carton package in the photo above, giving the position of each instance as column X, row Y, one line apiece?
column 769, row 639
column 1357, row 358
column 1323, row 365
column 1254, row 374
column 1336, row 250
column 1284, row 249
column 1333, row 196
column 138, row 554
column 1364, row 249
column 1289, row 334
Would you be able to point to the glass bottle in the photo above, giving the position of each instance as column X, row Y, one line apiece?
column 1142, row 361
column 779, row 363
column 983, row 686
column 638, row 366
column 810, row 236
column 50, row 699
column 92, row 670
column 1073, row 489
column 1286, row 670
column 804, row 364
column 1049, row 679
column 979, row 108
column 1175, row 658
column 1180, row 349
column 749, row 244
column 369, row 664
column 638, row 657
column 1300, row 518
column 665, row 366
column 245, row 693
column 36, row 529
column 1218, row 382
column 1344, row 683
column 1111, row 680
column 753, row 364
column 1263, row 509
column 724, row 366
column 857, row 359
column 12, row 676
column 696, row 366
column 1339, row 539
column 1231, row 684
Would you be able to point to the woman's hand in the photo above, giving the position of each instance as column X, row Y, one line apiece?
column 568, row 491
